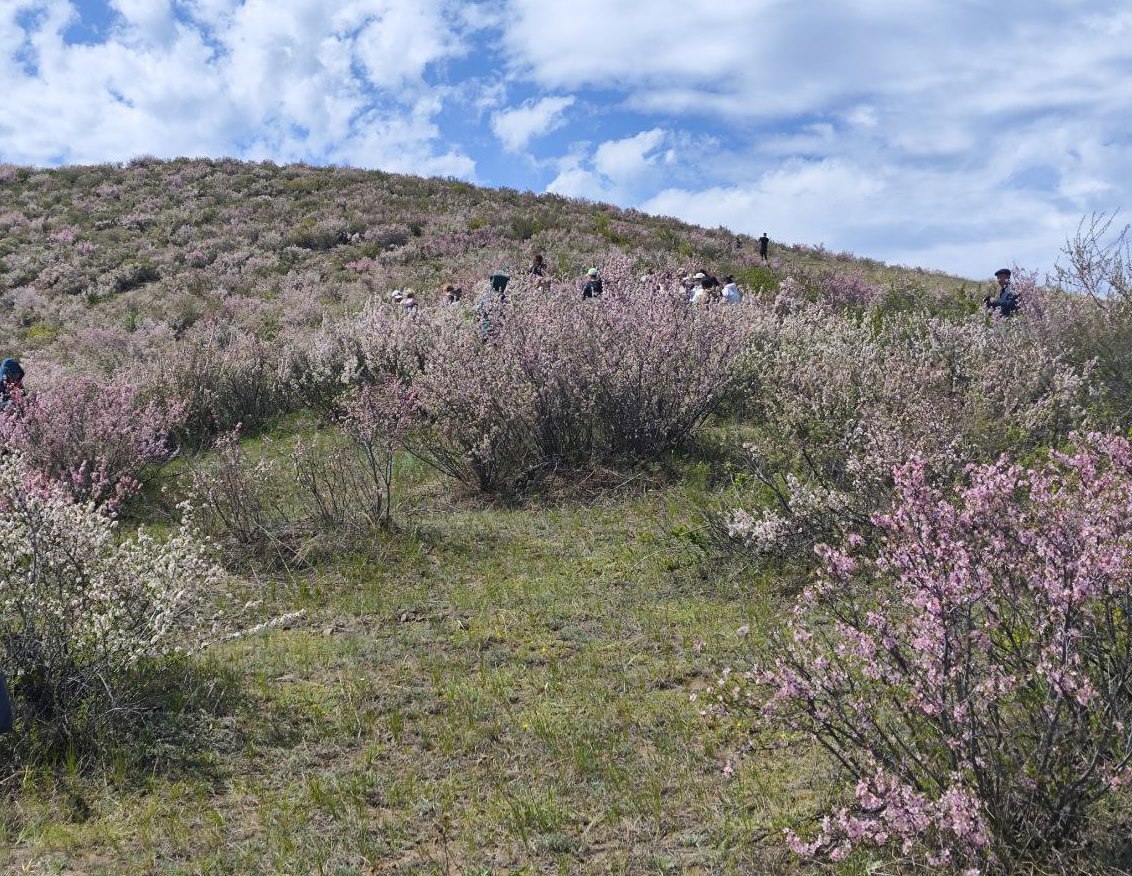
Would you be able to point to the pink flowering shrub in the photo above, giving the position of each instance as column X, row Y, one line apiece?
column 84, row 606
column 507, row 390
column 970, row 671
column 380, row 342
column 839, row 401
column 223, row 376
column 842, row 289
column 94, row 438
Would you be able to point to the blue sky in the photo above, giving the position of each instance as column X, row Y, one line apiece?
column 953, row 134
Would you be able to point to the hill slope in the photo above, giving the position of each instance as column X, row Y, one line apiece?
column 113, row 246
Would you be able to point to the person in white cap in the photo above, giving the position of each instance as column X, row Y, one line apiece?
column 592, row 287
column 701, row 294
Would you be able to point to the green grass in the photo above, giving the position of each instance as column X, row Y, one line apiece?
column 494, row 690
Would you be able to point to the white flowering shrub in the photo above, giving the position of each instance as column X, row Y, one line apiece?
column 83, row 607
column 839, row 401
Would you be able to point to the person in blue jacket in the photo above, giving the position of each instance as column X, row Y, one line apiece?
column 1007, row 301
column 11, row 382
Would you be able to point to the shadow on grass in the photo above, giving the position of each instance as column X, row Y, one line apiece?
column 174, row 725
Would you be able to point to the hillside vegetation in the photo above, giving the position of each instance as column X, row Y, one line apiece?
column 279, row 248
column 299, row 580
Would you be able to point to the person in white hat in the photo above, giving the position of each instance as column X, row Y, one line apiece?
column 592, row 286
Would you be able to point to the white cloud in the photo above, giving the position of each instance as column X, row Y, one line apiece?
column 516, row 127
column 617, row 170
column 889, row 128
column 277, row 78
column 913, row 216
column 152, row 20
column 576, row 182
column 397, row 44
column 626, row 159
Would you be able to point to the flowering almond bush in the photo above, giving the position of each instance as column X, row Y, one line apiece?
column 94, row 438
column 506, row 390
column 224, row 377
column 82, row 606
column 376, row 419
column 971, row 672
column 840, row 401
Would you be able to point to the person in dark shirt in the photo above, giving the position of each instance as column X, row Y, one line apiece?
column 499, row 281
column 764, row 247
column 11, row 383
column 1007, row 302
column 592, row 286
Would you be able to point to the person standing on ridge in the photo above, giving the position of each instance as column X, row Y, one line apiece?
column 1007, row 301
column 764, row 248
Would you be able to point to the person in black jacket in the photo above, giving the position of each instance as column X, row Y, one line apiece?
column 6, row 722
column 11, row 382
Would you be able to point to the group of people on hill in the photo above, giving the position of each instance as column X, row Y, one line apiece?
column 698, row 288
column 701, row 288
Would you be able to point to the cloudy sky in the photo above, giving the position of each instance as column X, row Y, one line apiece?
column 952, row 134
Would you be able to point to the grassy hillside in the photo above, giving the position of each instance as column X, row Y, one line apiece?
column 488, row 567
column 494, row 690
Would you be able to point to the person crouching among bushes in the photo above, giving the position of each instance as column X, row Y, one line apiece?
column 11, row 383
column 592, row 286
